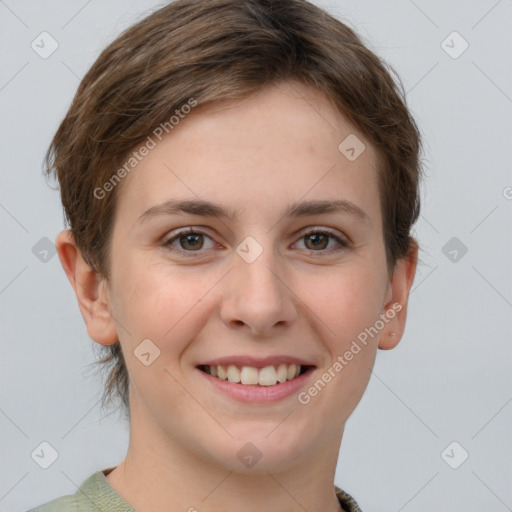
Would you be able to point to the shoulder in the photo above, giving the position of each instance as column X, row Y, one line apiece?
column 86, row 498
column 63, row 504
column 348, row 503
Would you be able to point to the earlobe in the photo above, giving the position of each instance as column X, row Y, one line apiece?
column 395, row 309
column 91, row 291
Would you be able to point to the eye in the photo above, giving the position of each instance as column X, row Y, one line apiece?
column 319, row 240
column 189, row 240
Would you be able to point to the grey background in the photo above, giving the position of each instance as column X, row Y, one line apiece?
column 450, row 377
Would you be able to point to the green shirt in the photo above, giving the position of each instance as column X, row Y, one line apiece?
column 97, row 495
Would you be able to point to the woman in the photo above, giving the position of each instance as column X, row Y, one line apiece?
column 240, row 179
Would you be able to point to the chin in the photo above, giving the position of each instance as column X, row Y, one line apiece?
column 251, row 453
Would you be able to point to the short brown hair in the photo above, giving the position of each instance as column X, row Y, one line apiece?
column 212, row 51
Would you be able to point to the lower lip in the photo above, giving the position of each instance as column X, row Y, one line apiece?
column 258, row 394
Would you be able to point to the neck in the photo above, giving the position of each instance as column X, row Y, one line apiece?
column 159, row 474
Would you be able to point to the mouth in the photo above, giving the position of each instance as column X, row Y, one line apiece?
column 270, row 375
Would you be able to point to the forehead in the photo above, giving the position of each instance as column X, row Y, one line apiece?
column 286, row 143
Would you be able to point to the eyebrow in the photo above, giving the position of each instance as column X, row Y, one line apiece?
column 296, row 210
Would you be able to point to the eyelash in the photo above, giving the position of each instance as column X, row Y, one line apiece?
column 190, row 231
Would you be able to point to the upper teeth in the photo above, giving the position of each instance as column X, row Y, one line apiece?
column 268, row 376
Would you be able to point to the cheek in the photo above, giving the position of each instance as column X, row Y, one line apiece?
column 156, row 303
column 167, row 310
column 346, row 301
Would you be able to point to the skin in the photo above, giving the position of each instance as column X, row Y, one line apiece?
column 255, row 156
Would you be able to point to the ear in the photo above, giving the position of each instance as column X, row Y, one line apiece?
column 91, row 291
column 397, row 299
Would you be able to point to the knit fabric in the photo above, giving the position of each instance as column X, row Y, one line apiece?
column 97, row 495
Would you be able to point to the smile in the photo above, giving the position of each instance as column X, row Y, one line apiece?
column 252, row 376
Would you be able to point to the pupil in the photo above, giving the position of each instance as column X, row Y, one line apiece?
column 191, row 236
column 316, row 237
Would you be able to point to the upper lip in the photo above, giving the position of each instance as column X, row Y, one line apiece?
column 257, row 362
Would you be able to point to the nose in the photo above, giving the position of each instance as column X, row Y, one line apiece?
column 257, row 297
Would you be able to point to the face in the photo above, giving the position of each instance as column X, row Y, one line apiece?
column 271, row 283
